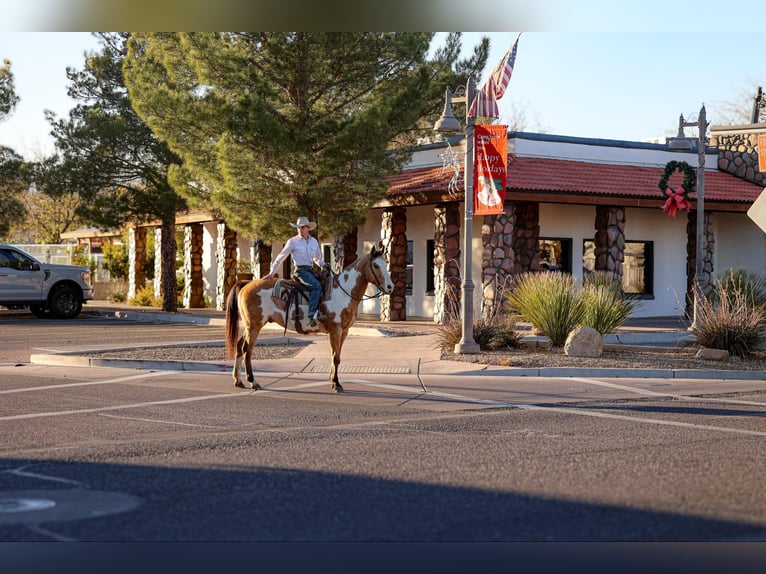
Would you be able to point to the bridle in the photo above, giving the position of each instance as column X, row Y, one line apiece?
column 364, row 297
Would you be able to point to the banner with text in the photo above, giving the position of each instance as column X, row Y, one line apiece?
column 762, row 153
column 489, row 169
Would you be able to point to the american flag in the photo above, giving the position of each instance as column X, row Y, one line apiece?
column 485, row 103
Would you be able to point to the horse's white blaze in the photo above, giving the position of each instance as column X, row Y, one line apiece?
column 388, row 285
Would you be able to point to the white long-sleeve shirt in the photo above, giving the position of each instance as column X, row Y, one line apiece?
column 304, row 252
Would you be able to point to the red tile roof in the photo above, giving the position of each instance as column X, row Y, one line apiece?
column 578, row 178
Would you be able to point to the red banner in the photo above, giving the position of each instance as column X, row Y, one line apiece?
column 490, row 158
column 762, row 153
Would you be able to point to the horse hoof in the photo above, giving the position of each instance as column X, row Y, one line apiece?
column 337, row 388
column 255, row 386
column 239, row 384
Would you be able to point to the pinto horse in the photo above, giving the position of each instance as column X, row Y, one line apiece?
column 254, row 303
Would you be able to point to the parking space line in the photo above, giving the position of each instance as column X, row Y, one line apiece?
column 88, row 383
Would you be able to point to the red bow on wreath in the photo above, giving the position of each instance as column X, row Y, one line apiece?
column 676, row 200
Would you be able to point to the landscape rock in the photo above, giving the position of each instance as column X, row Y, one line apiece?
column 713, row 354
column 584, row 342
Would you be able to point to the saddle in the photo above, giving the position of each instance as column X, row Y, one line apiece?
column 289, row 294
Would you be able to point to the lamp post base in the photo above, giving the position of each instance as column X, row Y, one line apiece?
column 465, row 348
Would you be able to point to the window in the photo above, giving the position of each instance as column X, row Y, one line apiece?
column 637, row 267
column 555, row 254
column 430, row 282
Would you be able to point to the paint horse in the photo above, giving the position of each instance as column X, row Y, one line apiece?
column 255, row 303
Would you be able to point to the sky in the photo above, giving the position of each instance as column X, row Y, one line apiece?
column 612, row 85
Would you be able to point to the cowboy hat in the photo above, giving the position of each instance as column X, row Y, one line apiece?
column 303, row 221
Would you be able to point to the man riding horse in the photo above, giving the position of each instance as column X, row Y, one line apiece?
column 305, row 251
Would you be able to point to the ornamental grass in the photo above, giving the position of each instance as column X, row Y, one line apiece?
column 729, row 320
column 494, row 331
column 606, row 307
column 550, row 301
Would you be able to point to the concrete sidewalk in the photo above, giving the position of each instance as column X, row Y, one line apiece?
column 373, row 347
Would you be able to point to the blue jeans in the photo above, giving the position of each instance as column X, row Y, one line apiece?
column 306, row 276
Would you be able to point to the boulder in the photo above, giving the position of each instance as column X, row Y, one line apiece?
column 713, row 354
column 584, row 342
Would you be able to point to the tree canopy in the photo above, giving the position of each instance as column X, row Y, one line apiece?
column 270, row 126
column 111, row 157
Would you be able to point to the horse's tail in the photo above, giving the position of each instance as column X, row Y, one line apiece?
column 232, row 319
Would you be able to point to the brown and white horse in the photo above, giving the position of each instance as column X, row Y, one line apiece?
column 252, row 302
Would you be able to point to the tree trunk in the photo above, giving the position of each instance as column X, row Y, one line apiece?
column 168, row 250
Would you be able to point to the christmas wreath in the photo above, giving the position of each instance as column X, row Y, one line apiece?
column 677, row 198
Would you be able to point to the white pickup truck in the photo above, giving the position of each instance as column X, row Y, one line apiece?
column 48, row 290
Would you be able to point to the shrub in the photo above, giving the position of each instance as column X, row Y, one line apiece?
column 117, row 296
column 730, row 320
column 116, row 260
column 494, row 334
column 751, row 285
column 145, row 298
column 606, row 306
column 550, row 302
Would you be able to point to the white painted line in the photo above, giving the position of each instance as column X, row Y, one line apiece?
column 580, row 411
column 89, row 383
column 160, row 421
column 669, row 395
column 121, row 407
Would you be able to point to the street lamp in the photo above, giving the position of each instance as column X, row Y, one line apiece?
column 682, row 143
column 448, row 123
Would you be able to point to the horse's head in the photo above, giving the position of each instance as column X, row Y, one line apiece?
column 377, row 272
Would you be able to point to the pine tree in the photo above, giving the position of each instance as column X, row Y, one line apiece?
column 271, row 126
column 112, row 158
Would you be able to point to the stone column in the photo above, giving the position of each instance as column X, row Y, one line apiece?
column 610, row 241
column 526, row 235
column 394, row 235
column 447, row 289
column 498, row 258
column 261, row 257
column 708, row 251
column 193, row 285
column 226, row 263
column 136, row 260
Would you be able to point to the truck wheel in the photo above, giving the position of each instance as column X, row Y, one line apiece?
column 41, row 311
column 65, row 302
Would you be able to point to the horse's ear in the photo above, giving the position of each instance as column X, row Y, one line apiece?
column 377, row 250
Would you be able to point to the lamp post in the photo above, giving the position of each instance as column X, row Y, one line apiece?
column 682, row 143
column 448, row 123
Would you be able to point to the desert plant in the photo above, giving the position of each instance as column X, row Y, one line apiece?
column 606, row 306
column 729, row 320
column 492, row 332
column 750, row 284
column 550, row 302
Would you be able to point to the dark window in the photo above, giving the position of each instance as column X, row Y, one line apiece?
column 430, row 285
column 555, row 254
column 637, row 267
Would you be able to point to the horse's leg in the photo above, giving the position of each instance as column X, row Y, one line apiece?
column 251, row 335
column 238, row 362
column 336, row 344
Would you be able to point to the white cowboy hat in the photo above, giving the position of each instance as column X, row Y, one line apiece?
column 303, row 221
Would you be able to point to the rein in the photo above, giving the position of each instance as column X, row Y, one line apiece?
column 364, row 297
